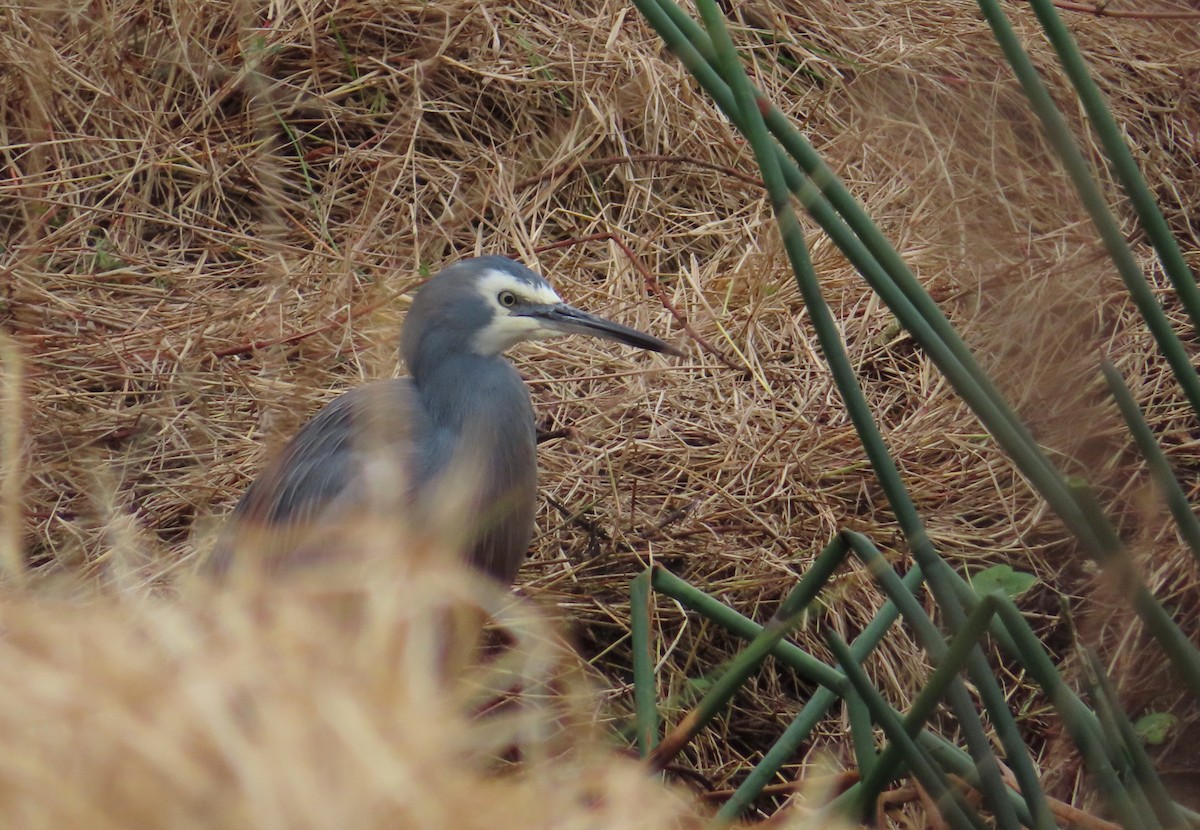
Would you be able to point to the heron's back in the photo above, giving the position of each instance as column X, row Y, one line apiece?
column 381, row 451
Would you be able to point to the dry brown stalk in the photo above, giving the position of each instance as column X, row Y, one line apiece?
column 1105, row 10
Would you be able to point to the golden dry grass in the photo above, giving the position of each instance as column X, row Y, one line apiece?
column 300, row 706
column 211, row 214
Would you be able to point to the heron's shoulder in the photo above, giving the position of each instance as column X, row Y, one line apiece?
column 396, row 393
column 393, row 407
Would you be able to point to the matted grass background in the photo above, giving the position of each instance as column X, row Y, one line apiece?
column 211, row 214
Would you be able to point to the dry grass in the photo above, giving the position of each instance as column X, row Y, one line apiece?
column 211, row 214
column 300, row 706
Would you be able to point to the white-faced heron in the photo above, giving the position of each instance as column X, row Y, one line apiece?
column 463, row 394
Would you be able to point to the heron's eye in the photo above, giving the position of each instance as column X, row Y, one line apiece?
column 507, row 299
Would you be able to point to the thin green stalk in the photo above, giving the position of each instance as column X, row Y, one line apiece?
column 954, row 760
column 990, row 694
column 781, row 752
column 790, row 612
column 801, row 727
column 786, row 746
column 1160, row 468
column 1091, row 529
column 1180, row 651
column 309, row 180
column 1025, row 647
column 645, row 695
column 1122, row 736
column 1080, row 723
column 829, row 203
column 999, row 420
column 862, row 733
column 1093, row 201
column 892, row 280
column 1048, row 480
column 1121, row 159
column 795, row 658
column 951, row 807
column 822, row 193
column 923, row 707
column 829, row 337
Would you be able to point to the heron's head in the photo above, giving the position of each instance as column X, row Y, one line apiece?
column 488, row 304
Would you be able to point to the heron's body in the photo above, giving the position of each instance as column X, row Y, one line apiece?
column 464, row 404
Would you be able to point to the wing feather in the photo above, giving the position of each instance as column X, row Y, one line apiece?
column 323, row 473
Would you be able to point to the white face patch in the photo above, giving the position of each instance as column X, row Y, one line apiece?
column 505, row 329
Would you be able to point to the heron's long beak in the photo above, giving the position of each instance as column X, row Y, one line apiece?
column 570, row 320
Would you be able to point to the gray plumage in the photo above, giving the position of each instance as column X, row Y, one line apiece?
column 463, row 399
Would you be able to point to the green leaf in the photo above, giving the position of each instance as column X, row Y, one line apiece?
column 1154, row 727
column 1004, row 579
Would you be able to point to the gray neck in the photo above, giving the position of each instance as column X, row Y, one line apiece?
column 477, row 398
column 465, row 386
